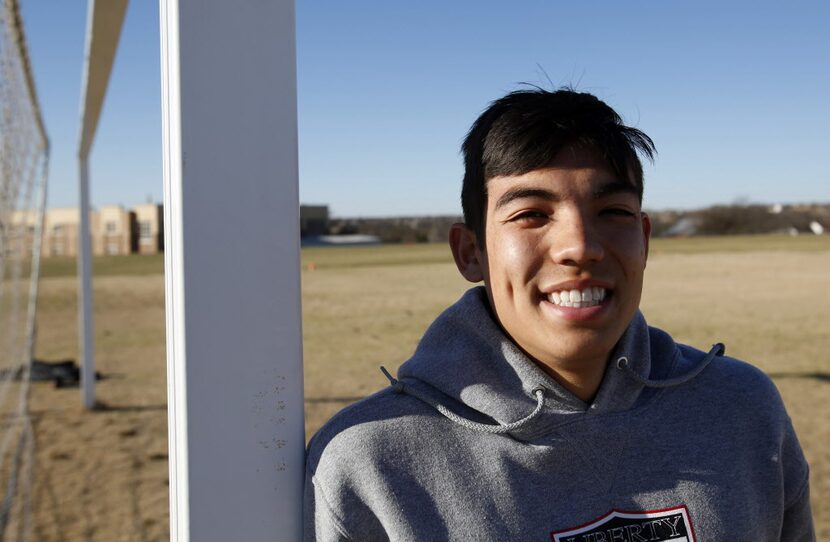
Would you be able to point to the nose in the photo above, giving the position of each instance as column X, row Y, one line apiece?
column 576, row 242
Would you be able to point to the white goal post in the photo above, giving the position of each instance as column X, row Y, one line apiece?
column 232, row 271
column 103, row 29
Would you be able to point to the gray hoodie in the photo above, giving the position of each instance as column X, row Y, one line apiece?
column 475, row 442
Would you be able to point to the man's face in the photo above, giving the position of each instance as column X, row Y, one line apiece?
column 566, row 248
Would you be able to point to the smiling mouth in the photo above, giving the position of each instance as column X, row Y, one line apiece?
column 586, row 297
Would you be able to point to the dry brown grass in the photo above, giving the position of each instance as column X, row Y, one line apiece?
column 103, row 475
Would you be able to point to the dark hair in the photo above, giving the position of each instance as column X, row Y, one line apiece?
column 524, row 131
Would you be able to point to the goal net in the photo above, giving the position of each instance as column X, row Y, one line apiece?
column 23, row 175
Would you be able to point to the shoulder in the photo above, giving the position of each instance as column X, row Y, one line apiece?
column 345, row 480
column 734, row 386
column 724, row 376
column 732, row 373
column 361, row 432
column 746, row 403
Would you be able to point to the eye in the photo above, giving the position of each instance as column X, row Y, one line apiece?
column 618, row 211
column 529, row 217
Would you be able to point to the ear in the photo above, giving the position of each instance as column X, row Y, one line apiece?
column 646, row 220
column 465, row 251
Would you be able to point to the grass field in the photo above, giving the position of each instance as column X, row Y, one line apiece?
column 103, row 475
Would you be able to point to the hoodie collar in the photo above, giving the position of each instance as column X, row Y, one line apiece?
column 465, row 355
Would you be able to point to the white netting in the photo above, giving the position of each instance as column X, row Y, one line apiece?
column 23, row 174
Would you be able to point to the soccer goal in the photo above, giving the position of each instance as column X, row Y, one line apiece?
column 24, row 152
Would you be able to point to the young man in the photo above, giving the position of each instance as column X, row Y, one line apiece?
column 541, row 406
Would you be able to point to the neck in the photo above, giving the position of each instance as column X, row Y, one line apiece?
column 582, row 379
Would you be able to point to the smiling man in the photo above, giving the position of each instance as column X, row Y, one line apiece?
column 541, row 406
column 562, row 257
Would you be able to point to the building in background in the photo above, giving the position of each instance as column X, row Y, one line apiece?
column 148, row 233
column 60, row 234
column 314, row 220
column 113, row 234
column 114, row 230
column 22, row 233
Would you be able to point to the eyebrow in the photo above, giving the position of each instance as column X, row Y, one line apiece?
column 523, row 193
column 614, row 187
column 608, row 189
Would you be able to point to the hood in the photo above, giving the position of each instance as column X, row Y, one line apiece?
column 467, row 368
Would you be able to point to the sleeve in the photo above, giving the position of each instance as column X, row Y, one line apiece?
column 797, row 524
column 798, row 519
column 319, row 523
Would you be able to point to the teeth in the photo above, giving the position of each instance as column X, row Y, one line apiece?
column 588, row 297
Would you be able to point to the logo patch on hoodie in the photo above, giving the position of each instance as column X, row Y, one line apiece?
column 669, row 525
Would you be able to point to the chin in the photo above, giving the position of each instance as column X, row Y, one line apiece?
column 590, row 348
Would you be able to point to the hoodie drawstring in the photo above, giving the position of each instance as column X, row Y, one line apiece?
column 500, row 428
column 497, row 429
column 717, row 350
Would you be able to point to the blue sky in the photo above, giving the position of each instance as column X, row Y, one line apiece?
column 735, row 95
